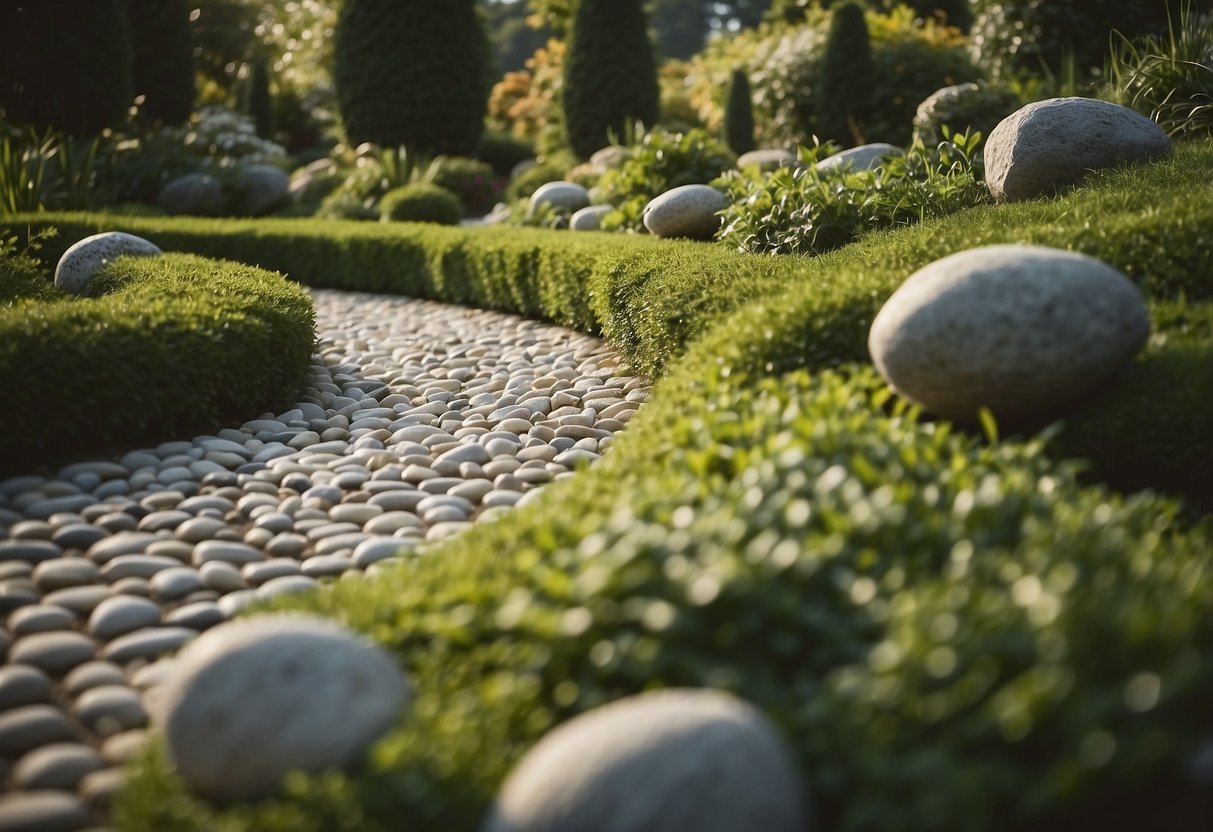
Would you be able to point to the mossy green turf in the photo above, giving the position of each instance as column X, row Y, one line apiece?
column 165, row 347
column 952, row 634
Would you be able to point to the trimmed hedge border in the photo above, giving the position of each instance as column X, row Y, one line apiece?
column 165, row 347
column 952, row 634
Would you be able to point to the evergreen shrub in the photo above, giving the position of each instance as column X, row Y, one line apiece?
column 412, row 72
column 739, row 114
column 610, row 78
column 421, row 202
column 845, row 90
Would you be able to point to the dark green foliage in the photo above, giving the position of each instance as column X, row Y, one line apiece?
column 420, row 202
column 844, row 93
column 65, row 65
column 1032, row 36
column 258, row 102
column 527, row 182
column 163, row 68
column 977, row 107
column 167, row 347
column 609, row 75
column 503, row 151
column 474, row 183
column 680, row 27
column 412, row 72
column 739, row 114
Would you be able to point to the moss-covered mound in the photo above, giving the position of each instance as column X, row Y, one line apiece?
column 164, row 347
column 952, row 633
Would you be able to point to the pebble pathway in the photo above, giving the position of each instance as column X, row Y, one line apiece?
column 417, row 420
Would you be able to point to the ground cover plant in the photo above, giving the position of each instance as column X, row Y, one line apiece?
column 926, row 614
column 238, row 340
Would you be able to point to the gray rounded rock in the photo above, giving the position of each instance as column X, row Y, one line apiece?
column 1053, row 144
column 30, row 726
column 260, row 189
column 110, row 709
column 54, row 653
column 589, row 218
column 194, row 193
column 147, row 643
column 1014, row 328
column 254, row 699
column 22, row 685
column 122, row 614
column 80, row 263
column 42, row 811
column 664, row 761
column 768, row 159
column 864, row 157
column 565, row 195
column 60, row 765
column 685, row 211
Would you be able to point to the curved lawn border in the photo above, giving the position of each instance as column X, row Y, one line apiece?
column 165, row 347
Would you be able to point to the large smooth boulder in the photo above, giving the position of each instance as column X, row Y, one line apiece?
column 194, row 194
column 685, row 211
column 260, row 189
column 665, row 761
column 80, row 263
column 589, row 218
column 1015, row 328
column 864, row 157
column 568, row 196
column 768, row 159
column 253, row 699
column 1050, row 145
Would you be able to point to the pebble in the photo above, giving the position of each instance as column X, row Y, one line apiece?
column 60, row 766
column 42, row 811
column 418, row 420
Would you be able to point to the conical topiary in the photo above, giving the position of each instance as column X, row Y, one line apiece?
column 844, row 91
column 66, row 64
column 609, row 75
column 257, row 102
column 412, row 72
column 163, row 68
column 739, row 114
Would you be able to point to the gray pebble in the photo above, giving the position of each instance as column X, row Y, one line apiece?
column 122, row 614
column 39, row 618
column 30, row 726
column 22, row 685
column 93, row 674
column 200, row 615
column 65, row 572
column 59, row 766
column 146, row 644
column 42, row 811
column 54, row 653
column 110, row 709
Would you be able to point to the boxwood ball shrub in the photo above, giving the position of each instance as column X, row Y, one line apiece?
column 163, row 68
column 397, row 82
column 952, row 632
column 421, row 202
column 610, row 78
column 475, row 183
column 163, row 347
column 65, row 65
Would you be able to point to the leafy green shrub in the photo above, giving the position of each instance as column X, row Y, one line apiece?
column 42, row 170
column 660, row 161
column 609, row 74
column 163, row 68
column 739, row 114
column 420, row 202
column 165, row 347
column 65, row 65
column 976, row 108
column 1168, row 78
column 1032, row 36
column 806, row 211
column 503, row 151
column 474, row 183
column 396, row 81
column 527, row 182
column 845, row 89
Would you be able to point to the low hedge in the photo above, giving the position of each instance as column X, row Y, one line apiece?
column 951, row 633
column 165, row 347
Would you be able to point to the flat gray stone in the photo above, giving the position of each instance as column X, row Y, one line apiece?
column 200, row 615
column 30, row 551
column 60, row 766
column 685, row 211
column 253, row 699
column 122, row 543
column 78, row 536
column 81, row 600
column 589, row 218
column 110, row 709
column 122, row 614
column 64, row 572
column 768, row 159
column 664, row 761
column 1017, row 329
column 226, row 551
column 560, row 194
column 23, row 685
column 39, row 618
column 136, row 566
column 147, row 643
column 93, row 674
column 864, row 157
column 1050, row 145
column 53, row 653
column 42, row 811
column 175, row 583
column 30, row 726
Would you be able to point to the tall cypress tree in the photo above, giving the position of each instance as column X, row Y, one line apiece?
column 609, row 74
column 163, row 58
column 844, row 91
column 739, row 114
column 65, row 64
column 412, row 72
column 257, row 101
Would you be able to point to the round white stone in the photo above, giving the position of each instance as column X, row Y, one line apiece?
column 1015, row 328
column 686, row 211
column 767, row 159
column 560, row 194
column 589, row 218
column 864, row 157
column 80, row 263
column 253, row 699
column 665, row 761
column 1052, row 144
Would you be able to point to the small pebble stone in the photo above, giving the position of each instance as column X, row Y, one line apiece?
column 53, row 653
column 22, row 685
column 60, row 766
column 42, row 811
column 122, row 614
